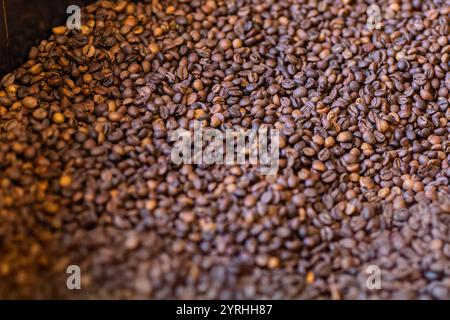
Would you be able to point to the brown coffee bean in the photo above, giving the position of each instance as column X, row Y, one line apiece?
column 344, row 136
column 40, row 114
column 329, row 176
column 115, row 116
column 58, row 118
column 30, row 102
column 318, row 165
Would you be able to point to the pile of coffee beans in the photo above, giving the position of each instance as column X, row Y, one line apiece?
column 86, row 176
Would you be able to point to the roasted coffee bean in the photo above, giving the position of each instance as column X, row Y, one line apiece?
column 329, row 176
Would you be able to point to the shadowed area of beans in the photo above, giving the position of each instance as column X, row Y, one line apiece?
column 86, row 176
